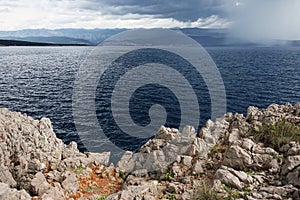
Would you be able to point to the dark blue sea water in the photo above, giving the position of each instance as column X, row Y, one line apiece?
column 258, row 76
column 39, row 81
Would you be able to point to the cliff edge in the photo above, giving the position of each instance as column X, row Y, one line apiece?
column 256, row 156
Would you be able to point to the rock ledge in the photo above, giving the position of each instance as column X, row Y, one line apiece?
column 256, row 156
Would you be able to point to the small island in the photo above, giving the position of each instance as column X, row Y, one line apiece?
column 26, row 43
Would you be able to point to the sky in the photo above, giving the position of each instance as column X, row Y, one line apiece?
column 19, row 14
column 249, row 18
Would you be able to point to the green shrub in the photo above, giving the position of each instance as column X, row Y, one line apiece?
column 276, row 135
column 170, row 196
column 79, row 170
column 218, row 148
column 122, row 175
column 204, row 191
column 169, row 176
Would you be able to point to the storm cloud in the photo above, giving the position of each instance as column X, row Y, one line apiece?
column 190, row 10
column 252, row 19
column 16, row 14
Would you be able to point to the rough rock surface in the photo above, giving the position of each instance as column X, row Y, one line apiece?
column 223, row 157
column 35, row 163
column 225, row 160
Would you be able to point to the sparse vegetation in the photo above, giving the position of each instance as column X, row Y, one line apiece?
column 218, row 148
column 236, row 194
column 276, row 156
column 204, row 191
column 122, row 175
column 92, row 189
column 195, row 157
column 276, row 135
column 170, row 196
column 79, row 170
column 169, row 176
column 250, row 173
column 207, row 170
column 25, row 123
column 41, row 138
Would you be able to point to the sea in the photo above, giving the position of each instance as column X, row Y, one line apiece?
column 40, row 81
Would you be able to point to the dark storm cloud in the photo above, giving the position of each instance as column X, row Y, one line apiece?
column 18, row 14
column 182, row 10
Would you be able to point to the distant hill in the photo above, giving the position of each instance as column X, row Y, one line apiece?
column 71, row 36
column 53, row 40
column 215, row 37
column 207, row 37
column 92, row 36
column 26, row 43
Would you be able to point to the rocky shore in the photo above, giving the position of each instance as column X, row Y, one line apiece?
column 256, row 156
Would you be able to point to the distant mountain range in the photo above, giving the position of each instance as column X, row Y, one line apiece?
column 50, row 40
column 61, row 36
column 70, row 36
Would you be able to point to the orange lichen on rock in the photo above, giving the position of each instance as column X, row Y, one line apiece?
column 100, row 182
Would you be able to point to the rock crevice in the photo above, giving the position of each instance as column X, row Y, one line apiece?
column 256, row 156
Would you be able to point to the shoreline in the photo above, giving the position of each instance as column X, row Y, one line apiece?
column 232, row 157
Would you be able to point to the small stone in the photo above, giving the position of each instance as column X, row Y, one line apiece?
column 148, row 197
column 126, row 163
column 251, row 112
column 99, row 158
column 70, row 184
column 228, row 178
column 240, row 174
column 188, row 131
column 140, row 173
column 273, row 166
column 55, row 192
column 233, row 136
column 257, row 195
column 294, row 177
column 6, row 176
column 237, row 158
column 41, row 166
column 217, row 184
column 7, row 193
column 197, row 167
column 187, row 161
column 166, row 133
column 171, row 188
column 185, row 180
column 177, row 171
column 40, row 184
column 4, row 188
column 296, row 194
column 247, row 144
column 259, row 178
column 290, row 163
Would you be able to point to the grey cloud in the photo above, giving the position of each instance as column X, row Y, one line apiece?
column 116, row 12
column 182, row 10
